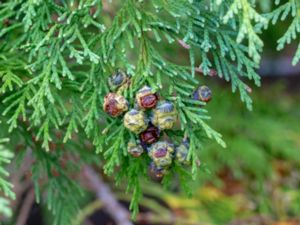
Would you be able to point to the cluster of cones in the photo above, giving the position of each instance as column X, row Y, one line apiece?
column 149, row 117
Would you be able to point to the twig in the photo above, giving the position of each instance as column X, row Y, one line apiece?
column 183, row 44
column 104, row 194
column 26, row 207
column 211, row 73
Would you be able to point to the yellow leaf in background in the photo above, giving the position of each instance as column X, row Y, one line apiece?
column 286, row 223
column 176, row 202
column 209, row 193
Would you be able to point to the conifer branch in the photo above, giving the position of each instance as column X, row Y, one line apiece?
column 57, row 57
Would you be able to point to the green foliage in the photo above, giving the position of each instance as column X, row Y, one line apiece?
column 290, row 8
column 57, row 55
column 214, row 36
column 247, row 14
column 5, row 185
column 5, row 208
column 63, row 194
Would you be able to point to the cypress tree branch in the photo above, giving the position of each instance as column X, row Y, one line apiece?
column 55, row 61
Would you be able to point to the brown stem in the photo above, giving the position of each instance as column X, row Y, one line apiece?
column 211, row 73
column 104, row 194
column 183, row 44
column 26, row 207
